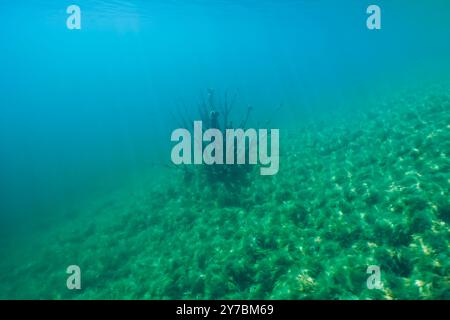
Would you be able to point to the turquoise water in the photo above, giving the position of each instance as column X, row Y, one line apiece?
column 86, row 177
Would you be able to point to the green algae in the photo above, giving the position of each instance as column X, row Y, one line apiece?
column 373, row 191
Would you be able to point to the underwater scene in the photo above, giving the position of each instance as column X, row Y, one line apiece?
column 225, row 149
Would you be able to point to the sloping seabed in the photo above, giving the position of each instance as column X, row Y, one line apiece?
column 349, row 194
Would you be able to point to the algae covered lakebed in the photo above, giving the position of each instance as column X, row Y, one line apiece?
column 349, row 200
column 349, row 194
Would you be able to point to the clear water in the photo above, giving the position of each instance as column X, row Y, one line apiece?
column 85, row 123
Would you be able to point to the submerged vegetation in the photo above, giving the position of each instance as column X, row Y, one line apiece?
column 375, row 192
column 215, row 112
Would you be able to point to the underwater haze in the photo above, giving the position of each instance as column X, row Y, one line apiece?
column 87, row 179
